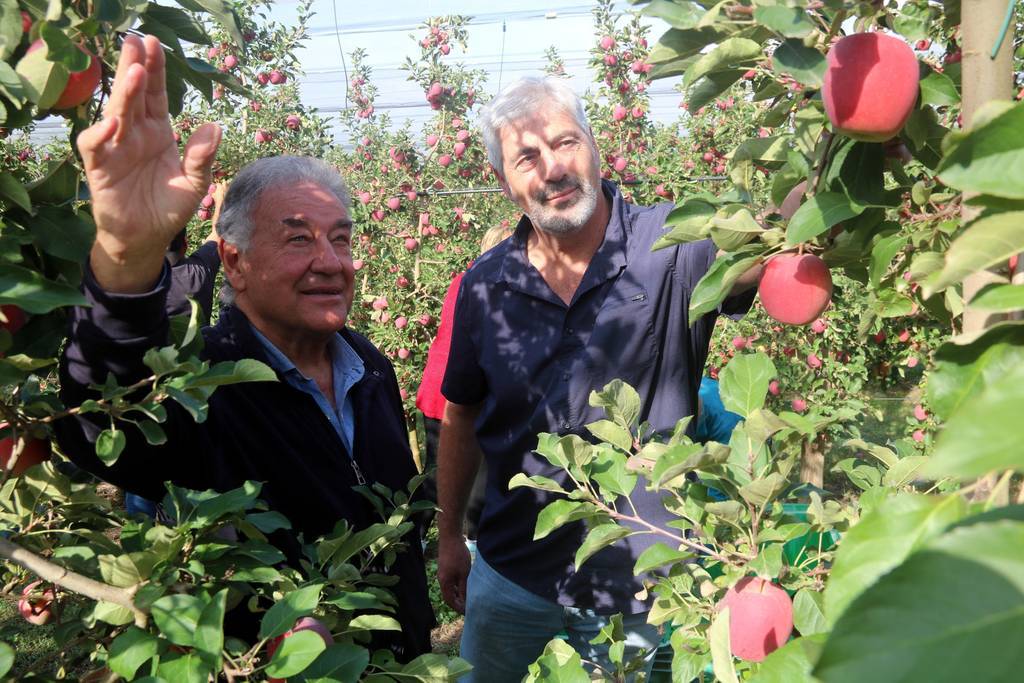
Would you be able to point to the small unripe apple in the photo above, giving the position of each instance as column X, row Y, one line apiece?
column 81, row 84
column 860, row 68
column 795, row 289
column 760, row 618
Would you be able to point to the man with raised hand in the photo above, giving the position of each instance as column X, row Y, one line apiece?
column 334, row 418
column 574, row 299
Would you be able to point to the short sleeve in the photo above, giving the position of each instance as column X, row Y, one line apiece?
column 464, row 381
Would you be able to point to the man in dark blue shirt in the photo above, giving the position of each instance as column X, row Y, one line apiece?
column 574, row 299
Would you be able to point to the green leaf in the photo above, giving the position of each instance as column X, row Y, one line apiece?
column 11, row 85
column 989, row 158
column 209, row 636
column 228, row 372
column 59, row 48
column 359, row 600
column 710, row 86
column 805, row 64
column 764, row 490
column 374, row 622
column 33, row 293
column 768, row 563
column 285, row 612
column 10, row 30
column 268, row 522
column 882, row 539
column 733, row 232
column 789, row 22
column 809, row 612
column 222, row 13
column 608, row 469
column 63, row 233
column 43, row 81
column 12, row 189
column 180, row 23
column 882, row 254
column 729, row 52
column 621, row 403
column 682, row 15
column 791, row 663
column 939, row 90
column 818, row 214
column 960, row 593
column 978, row 439
column 127, row 570
column 721, row 654
column 177, row 617
column 988, row 241
column 678, row 44
column 559, row 513
column 186, row 667
column 659, row 555
column 535, row 482
column 716, row 284
column 109, row 445
column 599, row 537
column 130, row 650
column 559, row 663
column 59, row 184
column 339, row 662
column 962, row 371
column 688, row 222
column 236, row 500
column 608, row 431
column 999, row 298
column 153, row 432
column 295, row 653
column 744, row 382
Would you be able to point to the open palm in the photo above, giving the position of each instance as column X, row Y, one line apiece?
column 143, row 193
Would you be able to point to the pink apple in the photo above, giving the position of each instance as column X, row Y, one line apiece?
column 380, row 303
column 403, row 353
column 364, row 198
column 445, row 160
column 620, row 164
column 918, row 435
column 411, row 244
column 773, row 387
column 459, row 149
column 818, row 326
column 277, row 77
column 431, row 140
column 293, row 122
column 263, row 135
column 394, row 203
column 813, row 361
column 904, row 336
column 739, row 343
column 401, row 321
column 799, row 405
column 760, row 618
column 795, row 289
column 425, row 319
column 462, row 135
column 619, row 112
column 920, row 413
column 357, row 264
column 607, row 43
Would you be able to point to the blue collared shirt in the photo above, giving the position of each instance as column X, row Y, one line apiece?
column 347, row 369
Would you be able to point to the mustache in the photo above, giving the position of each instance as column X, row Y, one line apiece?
column 552, row 189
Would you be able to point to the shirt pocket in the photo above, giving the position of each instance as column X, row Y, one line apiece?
column 622, row 344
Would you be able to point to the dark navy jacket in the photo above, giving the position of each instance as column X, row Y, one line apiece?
column 265, row 431
column 531, row 362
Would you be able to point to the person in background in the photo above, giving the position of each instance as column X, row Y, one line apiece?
column 714, row 422
column 431, row 403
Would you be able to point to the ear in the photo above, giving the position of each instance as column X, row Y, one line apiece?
column 231, row 260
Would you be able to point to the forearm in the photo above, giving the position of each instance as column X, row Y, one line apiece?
column 458, row 460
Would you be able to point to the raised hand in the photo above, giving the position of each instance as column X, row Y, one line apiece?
column 143, row 193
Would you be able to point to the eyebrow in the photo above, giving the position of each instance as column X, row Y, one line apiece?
column 293, row 222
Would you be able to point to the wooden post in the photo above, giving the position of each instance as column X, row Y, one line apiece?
column 983, row 79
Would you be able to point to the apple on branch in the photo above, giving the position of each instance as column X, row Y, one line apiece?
column 795, row 288
column 760, row 618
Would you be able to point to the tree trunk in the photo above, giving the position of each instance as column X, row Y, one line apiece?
column 812, row 464
column 983, row 79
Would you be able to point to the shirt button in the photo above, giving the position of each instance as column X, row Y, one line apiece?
column 565, row 377
column 566, row 425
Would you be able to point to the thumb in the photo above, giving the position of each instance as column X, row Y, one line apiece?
column 199, row 153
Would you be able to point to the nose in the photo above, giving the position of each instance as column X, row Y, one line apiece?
column 326, row 257
column 553, row 165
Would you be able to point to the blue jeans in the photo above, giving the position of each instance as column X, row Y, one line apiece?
column 507, row 627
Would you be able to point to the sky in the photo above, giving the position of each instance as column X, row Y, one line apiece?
column 505, row 39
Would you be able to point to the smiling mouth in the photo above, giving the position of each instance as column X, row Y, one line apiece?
column 561, row 195
column 324, row 291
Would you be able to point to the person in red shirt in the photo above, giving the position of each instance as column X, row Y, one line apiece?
column 431, row 403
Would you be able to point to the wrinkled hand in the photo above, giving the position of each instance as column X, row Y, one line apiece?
column 143, row 193
column 453, row 563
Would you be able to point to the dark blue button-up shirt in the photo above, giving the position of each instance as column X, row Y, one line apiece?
column 531, row 362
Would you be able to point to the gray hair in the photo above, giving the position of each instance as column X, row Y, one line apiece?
column 523, row 98
column 235, row 223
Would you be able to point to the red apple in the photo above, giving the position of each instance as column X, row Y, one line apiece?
column 404, row 353
column 813, row 361
column 904, row 336
column 394, row 203
column 445, row 160
column 607, row 43
column 920, row 413
column 773, row 387
column 799, row 405
column 760, row 618
column 401, row 321
column 795, row 289
column 293, row 122
column 15, row 318
column 231, row 61
column 81, row 84
column 818, row 326
column 37, row 609
column 619, row 112
column 411, row 244
column 870, row 86
column 739, row 343
column 358, row 264
column 35, row 452
column 918, row 435
column 26, row 22
column 277, row 77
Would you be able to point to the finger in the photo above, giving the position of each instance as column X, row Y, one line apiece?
column 156, row 79
column 132, row 53
column 91, row 141
column 198, row 155
column 134, row 83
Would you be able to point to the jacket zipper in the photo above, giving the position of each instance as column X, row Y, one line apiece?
column 359, row 473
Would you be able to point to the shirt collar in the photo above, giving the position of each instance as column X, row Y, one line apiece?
column 607, row 262
column 343, row 356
